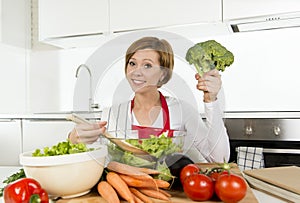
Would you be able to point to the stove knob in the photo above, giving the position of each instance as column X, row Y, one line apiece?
column 248, row 130
column 276, row 130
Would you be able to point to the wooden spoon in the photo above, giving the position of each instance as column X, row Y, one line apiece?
column 121, row 143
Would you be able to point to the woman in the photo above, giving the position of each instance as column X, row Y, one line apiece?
column 148, row 65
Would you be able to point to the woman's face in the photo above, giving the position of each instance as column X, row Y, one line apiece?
column 143, row 70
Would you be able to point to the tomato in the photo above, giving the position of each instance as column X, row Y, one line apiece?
column 198, row 187
column 215, row 175
column 230, row 188
column 187, row 171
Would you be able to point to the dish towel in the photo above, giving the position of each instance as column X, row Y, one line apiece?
column 250, row 158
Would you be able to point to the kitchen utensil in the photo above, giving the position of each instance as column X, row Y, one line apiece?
column 121, row 143
column 57, row 174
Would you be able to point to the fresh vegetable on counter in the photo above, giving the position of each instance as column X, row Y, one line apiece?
column 133, row 184
column 25, row 190
column 16, row 176
column 200, row 185
column 62, row 148
column 209, row 55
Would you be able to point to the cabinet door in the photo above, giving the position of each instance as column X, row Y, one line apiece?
column 42, row 133
column 0, row 20
column 135, row 14
column 62, row 18
column 10, row 145
column 236, row 9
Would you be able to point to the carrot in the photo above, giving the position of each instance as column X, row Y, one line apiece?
column 120, row 186
column 138, row 182
column 140, row 195
column 165, row 193
column 151, row 192
column 161, row 183
column 127, row 169
column 137, row 199
column 149, row 171
column 107, row 192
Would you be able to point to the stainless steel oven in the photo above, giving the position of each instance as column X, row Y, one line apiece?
column 279, row 138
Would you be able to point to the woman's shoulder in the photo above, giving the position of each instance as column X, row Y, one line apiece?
column 174, row 102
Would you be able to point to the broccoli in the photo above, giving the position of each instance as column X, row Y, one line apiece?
column 209, row 55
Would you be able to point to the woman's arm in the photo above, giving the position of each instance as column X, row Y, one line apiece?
column 210, row 138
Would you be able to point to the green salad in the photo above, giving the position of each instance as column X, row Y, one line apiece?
column 156, row 146
column 62, row 148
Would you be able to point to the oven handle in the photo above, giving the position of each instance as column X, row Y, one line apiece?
column 283, row 151
column 278, row 151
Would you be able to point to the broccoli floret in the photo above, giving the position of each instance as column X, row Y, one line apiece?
column 209, row 55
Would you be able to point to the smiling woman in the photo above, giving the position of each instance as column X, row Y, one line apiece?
column 149, row 63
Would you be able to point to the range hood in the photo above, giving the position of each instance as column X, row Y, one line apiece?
column 266, row 22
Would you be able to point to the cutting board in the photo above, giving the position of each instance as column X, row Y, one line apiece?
column 280, row 181
column 177, row 196
column 286, row 177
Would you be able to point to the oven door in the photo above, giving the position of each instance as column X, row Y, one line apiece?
column 278, row 153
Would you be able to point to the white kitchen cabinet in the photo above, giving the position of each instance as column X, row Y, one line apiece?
column 129, row 15
column 237, row 9
column 39, row 133
column 0, row 20
column 10, row 145
column 65, row 18
column 14, row 23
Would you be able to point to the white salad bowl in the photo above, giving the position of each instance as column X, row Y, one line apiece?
column 66, row 176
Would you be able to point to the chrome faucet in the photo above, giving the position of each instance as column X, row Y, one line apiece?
column 91, row 105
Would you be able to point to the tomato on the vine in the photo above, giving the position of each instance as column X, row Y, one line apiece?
column 215, row 175
column 230, row 188
column 198, row 187
column 188, row 170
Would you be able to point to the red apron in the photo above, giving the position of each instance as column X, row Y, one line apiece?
column 145, row 132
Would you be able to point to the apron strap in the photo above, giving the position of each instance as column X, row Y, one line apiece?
column 164, row 106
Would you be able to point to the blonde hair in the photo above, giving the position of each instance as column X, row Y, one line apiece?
column 162, row 47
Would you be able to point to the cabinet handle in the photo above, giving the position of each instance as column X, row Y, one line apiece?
column 7, row 120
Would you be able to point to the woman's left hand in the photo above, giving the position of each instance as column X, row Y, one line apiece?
column 210, row 83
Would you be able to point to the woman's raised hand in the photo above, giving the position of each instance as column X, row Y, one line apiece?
column 210, row 83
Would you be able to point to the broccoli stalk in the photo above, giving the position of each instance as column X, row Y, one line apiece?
column 209, row 55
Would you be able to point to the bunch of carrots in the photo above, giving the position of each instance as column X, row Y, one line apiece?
column 133, row 184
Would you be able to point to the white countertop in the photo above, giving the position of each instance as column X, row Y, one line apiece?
column 97, row 114
column 6, row 171
column 50, row 115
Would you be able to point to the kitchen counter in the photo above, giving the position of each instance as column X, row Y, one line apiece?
column 6, row 171
column 51, row 115
column 97, row 114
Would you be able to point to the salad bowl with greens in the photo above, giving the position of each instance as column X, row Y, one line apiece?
column 58, row 167
column 157, row 146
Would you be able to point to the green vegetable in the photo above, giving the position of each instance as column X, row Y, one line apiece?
column 165, row 172
column 209, row 55
column 157, row 146
column 117, row 154
column 62, row 148
column 16, row 176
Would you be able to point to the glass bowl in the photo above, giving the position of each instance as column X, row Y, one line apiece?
column 157, row 146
